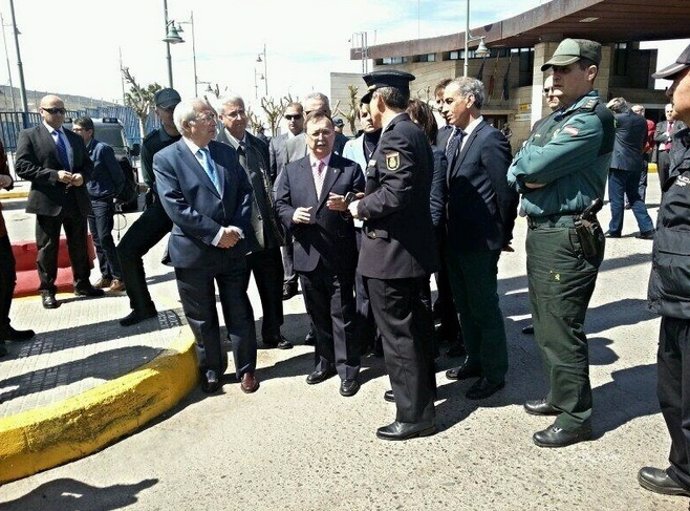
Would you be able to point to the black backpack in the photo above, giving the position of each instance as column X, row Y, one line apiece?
column 130, row 191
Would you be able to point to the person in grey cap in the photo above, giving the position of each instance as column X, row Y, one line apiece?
column 154, row 223
column 561, row 171
column 669, row 295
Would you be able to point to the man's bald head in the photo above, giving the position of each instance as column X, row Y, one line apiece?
column 52, row 110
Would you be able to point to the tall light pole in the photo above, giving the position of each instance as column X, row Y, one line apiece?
column 179, row 31
column 171, row 37
column 265, row 61
column 22, row 87
column 482, row 51
column 7, row 58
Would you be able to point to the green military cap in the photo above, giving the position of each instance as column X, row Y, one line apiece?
column 572, row 50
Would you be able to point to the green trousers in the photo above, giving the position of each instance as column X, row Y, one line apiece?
column 561, row 282
column 473, row 282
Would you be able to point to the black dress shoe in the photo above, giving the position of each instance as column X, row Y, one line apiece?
column 456, row 350
column 610, row 234
column 48, row 300
column 10, row 334
column 658, row 480
column 289, row 290
column 135, row 317
column 405, row 430
column 320, row 376
column 483, row 388
column 89, row 291
column 349, row 388
column 647, row 235
column 541, row 407
column 210, row 382
column 528, row 330
column 310, row 339
column 278, row 341
column 389, row 396
column 463, row 372
column 553, row 436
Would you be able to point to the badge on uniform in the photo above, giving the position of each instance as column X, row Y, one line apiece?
column 393, row 161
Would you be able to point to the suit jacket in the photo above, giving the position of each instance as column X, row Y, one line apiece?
column 442, row 136
column 296, row 147
column 4, row 170
column 354, row 150
column 661, row 137
column 37, row 161
column 265, row 232
column 197, row 209
column 331, row 236
column 481, row 206
column 399, row 241
column 107, row 178
column 631, row 136
column 277, row 155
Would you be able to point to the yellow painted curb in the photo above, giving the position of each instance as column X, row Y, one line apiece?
column 14, row 195
column 46, row 437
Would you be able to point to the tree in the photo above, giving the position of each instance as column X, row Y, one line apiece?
column 254, row 121
column 140, row 99
column 351, row 113
column 274, row 111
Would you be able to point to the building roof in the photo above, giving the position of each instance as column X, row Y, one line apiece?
column 606, row 21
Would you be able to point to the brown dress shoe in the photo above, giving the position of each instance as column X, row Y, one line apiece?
column 249, row 383
column 117, row 285
column 103, row 283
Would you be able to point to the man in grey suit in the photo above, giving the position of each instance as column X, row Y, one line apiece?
column 277, row 147
column 265, row 239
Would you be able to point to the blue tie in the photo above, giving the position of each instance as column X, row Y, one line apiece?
column 454, row 144
column 62, row 150
column 209, row 167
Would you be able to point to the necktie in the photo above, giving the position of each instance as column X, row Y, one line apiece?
column 209, row 167
column 454, row 146
column 318, row 177
column 242, row 153
column 669, row 130
column 62, row 150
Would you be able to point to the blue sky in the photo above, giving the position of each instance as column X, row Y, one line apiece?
column 72, row 46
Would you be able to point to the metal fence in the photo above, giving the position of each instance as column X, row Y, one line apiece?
column 11, row 123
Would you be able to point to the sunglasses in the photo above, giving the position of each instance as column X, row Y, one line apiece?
column 53, row 111
column 293, row 117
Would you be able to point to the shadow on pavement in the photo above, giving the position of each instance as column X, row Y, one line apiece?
column 72, row 495
column 105, row 365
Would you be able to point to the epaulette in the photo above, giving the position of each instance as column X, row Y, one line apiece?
column 590, row 104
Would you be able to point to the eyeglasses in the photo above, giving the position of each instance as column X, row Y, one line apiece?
column 54, row 111
column 208, row 118
column 293, row 117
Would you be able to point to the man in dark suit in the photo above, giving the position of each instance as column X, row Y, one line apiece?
column 625, row 169
column 663, row 136
column 207, row 196
column 310, row 200
column 397, row 255
column 153, row 224
column 265, row 237
column 8, row 275
column 481, row 215
column 56, row 162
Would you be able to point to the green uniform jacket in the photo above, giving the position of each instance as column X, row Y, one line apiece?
column 569, row 152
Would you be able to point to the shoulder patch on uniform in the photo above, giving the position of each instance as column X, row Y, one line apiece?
column 590, row 104
column 393, row 161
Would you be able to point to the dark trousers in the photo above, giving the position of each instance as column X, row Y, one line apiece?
column 101, row 226
column 198, row 296
column 561, row 282
column 149, row 229
column 403, row 318
column 450, row 326
column 663, row 165
column 473, row 277
column 330, row 302
column 48, row 241
column 290, row 277
column 673, row 390
column 365, row 329
column 267, row 267
column 8, row 279
column 642, row 189
column 627, row 182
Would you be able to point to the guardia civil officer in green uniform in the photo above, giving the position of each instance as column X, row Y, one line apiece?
column 397, row 254
column 560, row 171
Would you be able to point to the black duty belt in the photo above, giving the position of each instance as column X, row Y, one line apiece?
column 552, row 221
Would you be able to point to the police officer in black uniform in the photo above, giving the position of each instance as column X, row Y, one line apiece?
column 397, row 254
column 153, row 224
column 669, row 294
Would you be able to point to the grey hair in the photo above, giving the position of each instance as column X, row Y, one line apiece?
column 468, row 85
column 231, row 98
column 618, row 105
column 185, row 111
column 318, row 95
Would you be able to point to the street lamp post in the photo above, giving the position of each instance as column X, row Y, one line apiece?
column 482, row 50
column 7, row 58
column 265, row 61
column 22, row 87
column 179, row 30
column 171, row 37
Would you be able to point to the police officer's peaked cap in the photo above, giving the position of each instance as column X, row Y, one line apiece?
column 167, row 98
column 669, row 72
column 572, row 50
column 397, row 79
